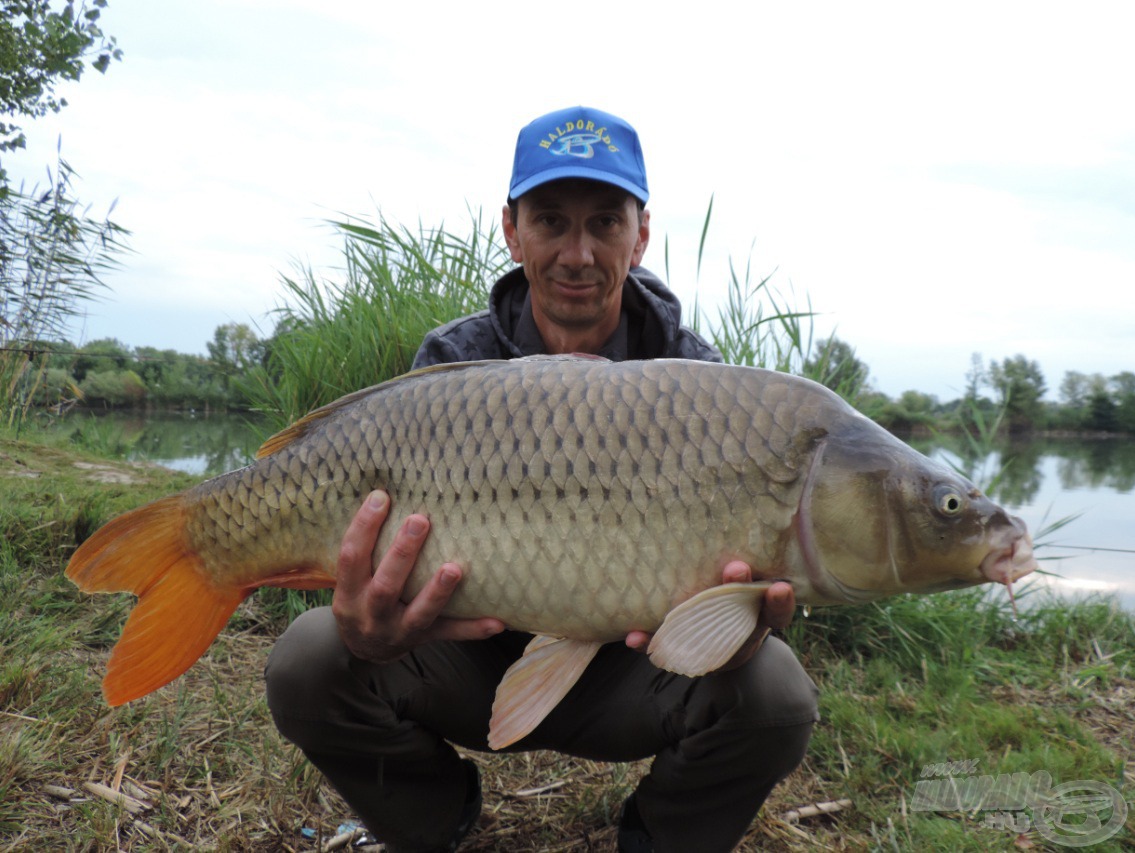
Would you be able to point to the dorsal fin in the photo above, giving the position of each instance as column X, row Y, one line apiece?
column 567, row 356
column 300, row 428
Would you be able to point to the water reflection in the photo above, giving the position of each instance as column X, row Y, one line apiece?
column 1077, row 496
column 1012, row 473
column 206, row 445
column 197, row 443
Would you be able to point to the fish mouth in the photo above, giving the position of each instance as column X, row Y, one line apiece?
column 1012, row 560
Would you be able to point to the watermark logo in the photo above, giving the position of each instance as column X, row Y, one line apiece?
column 1072, row 814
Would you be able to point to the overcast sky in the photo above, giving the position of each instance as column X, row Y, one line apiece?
column 937, row 179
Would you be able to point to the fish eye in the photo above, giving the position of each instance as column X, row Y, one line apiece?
column 949, row 501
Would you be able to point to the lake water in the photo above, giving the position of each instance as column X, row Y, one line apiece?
column 197, row 443
column 1044, row 480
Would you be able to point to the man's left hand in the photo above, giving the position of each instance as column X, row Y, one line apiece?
column 777, row 610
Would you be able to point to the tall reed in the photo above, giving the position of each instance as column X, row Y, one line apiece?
column 337, row 336
column 52, row 258
column 758, row 326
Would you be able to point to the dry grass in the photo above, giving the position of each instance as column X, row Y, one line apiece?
column 209, row 771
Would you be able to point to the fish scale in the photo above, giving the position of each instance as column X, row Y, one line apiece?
column 583, row 499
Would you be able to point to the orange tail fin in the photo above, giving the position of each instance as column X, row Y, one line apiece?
column 179, row 611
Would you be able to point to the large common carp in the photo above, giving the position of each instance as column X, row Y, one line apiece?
column 583, row 498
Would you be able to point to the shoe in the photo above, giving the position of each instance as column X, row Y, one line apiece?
column 472, row 808
column 469, row 812
column 633, row 837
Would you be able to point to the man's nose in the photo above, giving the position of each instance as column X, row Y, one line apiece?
column 577, row 250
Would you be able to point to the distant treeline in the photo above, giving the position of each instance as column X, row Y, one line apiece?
column 109, row 374
column 1009, row 396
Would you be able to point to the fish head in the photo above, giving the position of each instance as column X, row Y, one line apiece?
column 878, row 518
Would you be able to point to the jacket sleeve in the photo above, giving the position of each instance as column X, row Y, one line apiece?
column 434, row 350
column 470, row 338
column 688, row 344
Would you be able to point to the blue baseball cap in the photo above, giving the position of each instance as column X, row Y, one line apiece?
column 579, row 142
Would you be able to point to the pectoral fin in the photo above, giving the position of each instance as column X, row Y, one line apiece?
column 535, row 684
column 702, row 633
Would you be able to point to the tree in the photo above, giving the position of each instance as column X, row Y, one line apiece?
column 105, row 354
column 1075, row 389
column 1020, row 386
column 1123, row 387
column 916, row 402
column 233, row 350
column 837, row 367
column 40, row 47
column 113, row 388
column 976, row 376
column 1102, row 412
column 1124, row 384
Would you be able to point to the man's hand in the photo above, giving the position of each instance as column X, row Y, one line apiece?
column 777, row 610
column 373, row 621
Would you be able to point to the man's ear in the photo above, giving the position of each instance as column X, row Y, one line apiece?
column 643, row 239
column 510, row 237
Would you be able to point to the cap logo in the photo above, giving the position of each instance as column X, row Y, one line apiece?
column 578, row 144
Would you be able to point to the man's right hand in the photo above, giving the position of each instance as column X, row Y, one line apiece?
column 373, row 621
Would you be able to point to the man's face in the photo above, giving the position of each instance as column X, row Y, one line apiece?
column 577, row 239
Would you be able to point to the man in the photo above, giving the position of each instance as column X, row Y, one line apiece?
column 375, row 690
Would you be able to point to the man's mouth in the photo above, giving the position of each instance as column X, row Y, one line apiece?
column 574, row 287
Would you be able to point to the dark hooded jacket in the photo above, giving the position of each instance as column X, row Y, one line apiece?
column 650, row 327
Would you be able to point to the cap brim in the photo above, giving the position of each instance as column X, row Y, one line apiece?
column 561, row 172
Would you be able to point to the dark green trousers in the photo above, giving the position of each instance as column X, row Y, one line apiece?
column 383, row 734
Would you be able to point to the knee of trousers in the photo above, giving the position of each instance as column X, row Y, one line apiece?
column 303, row 670
column 771, row 690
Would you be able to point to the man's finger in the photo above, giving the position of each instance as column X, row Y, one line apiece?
column 426, row 607
column 396, row 564
column 779, row 606
column 736, row 572
column 638, row 640
column 354, row 563
column 466, row 629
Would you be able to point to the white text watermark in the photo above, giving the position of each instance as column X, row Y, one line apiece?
column 1071, row 814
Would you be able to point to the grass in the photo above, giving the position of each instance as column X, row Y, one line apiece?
column 758, row 326
column 904, row 684
column 362, row 326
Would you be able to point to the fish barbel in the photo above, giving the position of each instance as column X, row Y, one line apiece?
column 584, row 499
